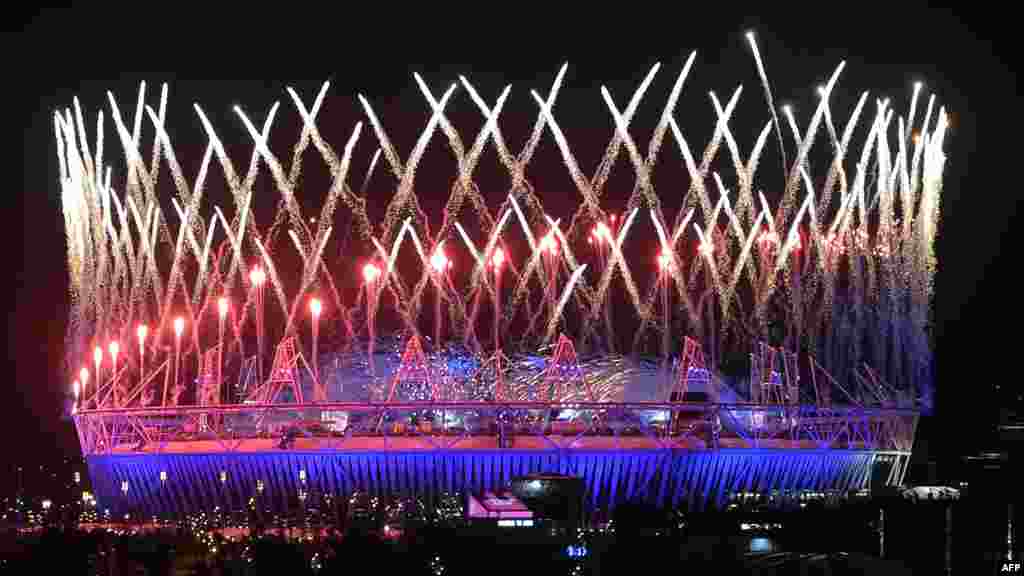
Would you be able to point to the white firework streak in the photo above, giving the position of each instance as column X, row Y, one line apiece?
column 532, row 264
column 241, row 190
column 515, row 166
column 189, row 198
column 283, row 186
column 836, row 171
column 282, row 301
column 768, row 93
column 311, row 260
column 202, row 254
column 406, row 174
column 618, row 261
column 310, row 133
column 675, row 269
column 390, row 281
column 99, row 226
column 553, row 322
column 805, row 146
column 466, row 162
column 482, row 256
column 734, row 153
column 137, row 172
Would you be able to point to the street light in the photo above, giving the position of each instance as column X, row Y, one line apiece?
column 315, row 308
column 549, row 244
column 97, row 359
column 83, row 375
column 440, row 263
column 549, row 250
column 664, row 261
column 114, row 348
column 141, row 332
column 665, row 267
column 602, row 236
column 258, row 277
column 497, row 259
column 179, row 327
column 222, row 313
column 371, row 272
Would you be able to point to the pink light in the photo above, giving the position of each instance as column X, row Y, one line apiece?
column 74, row 387
column 222, row 306
column 439, row 262
column 498, row 258
column 114, row 349
column 370, row 273
column 768, row 237
column 549, row 244
column 602, row 233
column 315, row 307
column 257, row 276
column 84, row 375
column 179, row 326
column 142, row 331
column 664, row 260
column 97, row 355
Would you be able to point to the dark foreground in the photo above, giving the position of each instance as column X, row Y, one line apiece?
column 803, row 542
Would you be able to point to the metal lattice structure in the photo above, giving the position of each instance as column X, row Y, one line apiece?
column 791, row 370
column 493, row 369
column 692, row 371
column 414, row 374
column 208, row 392
column 248, row 379
column 562, row 379
column 621, row 424
column 132, row 262
column 854, row 258
column 284, row 375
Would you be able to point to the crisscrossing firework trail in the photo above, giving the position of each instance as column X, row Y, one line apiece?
column 829, row 265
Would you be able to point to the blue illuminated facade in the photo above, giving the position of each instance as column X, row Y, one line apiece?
column 163, row 484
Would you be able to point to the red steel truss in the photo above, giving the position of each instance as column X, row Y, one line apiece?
column 563, row 378
column 692, row 370
column 622, row 425
column 414, row 371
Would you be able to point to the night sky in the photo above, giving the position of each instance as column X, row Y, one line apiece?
column 222, row 60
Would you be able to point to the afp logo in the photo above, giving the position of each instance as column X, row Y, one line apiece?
column 1010, row 568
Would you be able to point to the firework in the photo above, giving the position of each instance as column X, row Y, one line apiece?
column 844, row 271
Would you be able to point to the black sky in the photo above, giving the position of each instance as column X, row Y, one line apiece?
column 248, row 59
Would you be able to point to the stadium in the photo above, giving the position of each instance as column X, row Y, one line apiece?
column 467, row 342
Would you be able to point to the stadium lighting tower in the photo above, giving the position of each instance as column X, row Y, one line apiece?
column 257, row 277
column 497, row 261
column 315, row 309
column 142, row 331
column 114, row 348
column 440, row 264
column 371, row 272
